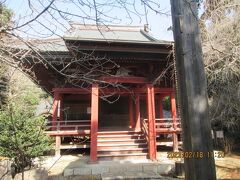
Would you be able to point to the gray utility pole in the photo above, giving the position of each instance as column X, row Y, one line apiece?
column 192, row 92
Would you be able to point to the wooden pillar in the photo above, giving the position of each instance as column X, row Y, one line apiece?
column 138, row 115
column 151, row 123
column 55, row 107
column 61, row 107
column 192, row 90
column 174, row 116
column 57, row 146
column 55, row 111
column 94, row 122
column 161, row 107
column 130, row 111
column 161, row 115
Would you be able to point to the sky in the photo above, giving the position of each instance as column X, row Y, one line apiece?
column 52, row 22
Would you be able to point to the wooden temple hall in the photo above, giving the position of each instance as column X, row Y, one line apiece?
column 109, row 85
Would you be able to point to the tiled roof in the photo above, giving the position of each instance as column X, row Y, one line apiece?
column 53, row 44
column 127, row 34
column 87, row 32
column 57, row 44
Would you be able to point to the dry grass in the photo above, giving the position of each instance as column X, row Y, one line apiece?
column 228, row 167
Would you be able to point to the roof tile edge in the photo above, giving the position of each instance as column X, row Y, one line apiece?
column 105, row 27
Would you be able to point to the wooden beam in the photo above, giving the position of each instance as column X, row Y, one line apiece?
column 130, row 79
column 192, row 90
column 174, row 116
column 151, row 123
column 72, row 90
column 94, row 122
column 80, row 97
column 69, row 133
column 130, row 111
column 165, row 91
column 156, row 90
column 138, row 115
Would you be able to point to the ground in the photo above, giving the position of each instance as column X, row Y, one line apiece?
column 227, row 167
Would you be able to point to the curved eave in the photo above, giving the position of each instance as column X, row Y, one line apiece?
column 124, row 46
column 153, row 41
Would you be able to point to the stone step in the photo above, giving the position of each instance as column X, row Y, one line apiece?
column 132, row 176
column 126, row 169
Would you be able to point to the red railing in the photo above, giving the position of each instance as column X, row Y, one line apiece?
column 163, row 126
column 168, row 125
column 144, row 128
column 68, row 125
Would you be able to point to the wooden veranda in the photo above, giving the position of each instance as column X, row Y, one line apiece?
column 150, row 127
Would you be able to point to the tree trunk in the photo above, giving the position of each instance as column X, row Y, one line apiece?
column 192, row 91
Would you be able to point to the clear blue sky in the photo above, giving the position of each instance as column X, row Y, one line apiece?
column 158, row 23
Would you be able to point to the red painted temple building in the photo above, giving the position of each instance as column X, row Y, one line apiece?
column 109, row 84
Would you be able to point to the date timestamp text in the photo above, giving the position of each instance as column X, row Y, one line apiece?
column 195, row 154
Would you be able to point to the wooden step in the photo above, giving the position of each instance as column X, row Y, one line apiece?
column 122, row 156
column 102, row 141
column 122, row 151
column 122, row 143
column 127, row 149
column 122, row 146
column 126, row 155
column 119, row 153
column 118, row 132
column 121, row 136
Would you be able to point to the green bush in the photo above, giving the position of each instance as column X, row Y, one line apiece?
column 166, row 103
column 22, row 136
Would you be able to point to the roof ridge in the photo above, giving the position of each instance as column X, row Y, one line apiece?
column 116, row 33
column 105, row 28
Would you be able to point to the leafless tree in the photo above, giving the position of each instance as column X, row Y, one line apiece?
column 221, row 48
column 21, row 47
column 50, row 19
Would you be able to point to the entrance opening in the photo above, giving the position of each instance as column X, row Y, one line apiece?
column 114, row 114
